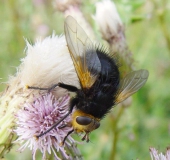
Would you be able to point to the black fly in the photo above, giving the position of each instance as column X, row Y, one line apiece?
column 99, row 77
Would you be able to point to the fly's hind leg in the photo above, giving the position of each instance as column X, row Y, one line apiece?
column 62, row 85
column 39, row 88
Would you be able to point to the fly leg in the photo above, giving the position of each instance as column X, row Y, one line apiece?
column 62, row 85
column 62, row 143
column 86, row 137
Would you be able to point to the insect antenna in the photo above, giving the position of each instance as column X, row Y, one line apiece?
column 54, row 125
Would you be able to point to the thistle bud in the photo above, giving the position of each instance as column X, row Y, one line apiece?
column 112, row 30
column 109, row 22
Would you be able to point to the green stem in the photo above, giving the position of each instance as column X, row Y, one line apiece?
column 116, row 133
column 161, row 12
column 17, row 29
column 162, row 21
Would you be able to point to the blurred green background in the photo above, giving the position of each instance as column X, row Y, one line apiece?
column 142, row 125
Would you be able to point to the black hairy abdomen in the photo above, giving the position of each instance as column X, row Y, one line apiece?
column 100, row 98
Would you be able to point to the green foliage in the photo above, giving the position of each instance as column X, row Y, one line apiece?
column 146, row 122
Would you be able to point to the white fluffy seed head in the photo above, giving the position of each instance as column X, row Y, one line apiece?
column 48, row 62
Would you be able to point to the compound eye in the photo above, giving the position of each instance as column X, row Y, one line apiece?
column 83, row 120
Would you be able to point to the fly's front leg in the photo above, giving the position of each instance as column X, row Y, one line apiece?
column 62, row 143
column 86, row 137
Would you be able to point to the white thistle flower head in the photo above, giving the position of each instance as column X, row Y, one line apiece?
column 47, row 63
column 159, row 156
column 36, row 118
column 109, row 21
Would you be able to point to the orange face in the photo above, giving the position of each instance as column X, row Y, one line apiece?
column 83, row 122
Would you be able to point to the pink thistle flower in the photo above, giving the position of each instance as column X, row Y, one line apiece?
column 159, row 156
column 36, row 118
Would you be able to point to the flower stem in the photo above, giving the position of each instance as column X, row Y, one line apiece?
column 116, row 133
column 6, row 123
column 161, row 12
column 161, row 18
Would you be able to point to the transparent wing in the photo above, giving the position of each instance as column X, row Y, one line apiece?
column 130, row 84
column 83, row 53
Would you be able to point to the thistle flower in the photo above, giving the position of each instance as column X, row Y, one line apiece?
column 112, row 30
column 39, row 116
column 72, row 8
column 46, row 63
column 159, row 156
column 110, row 24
